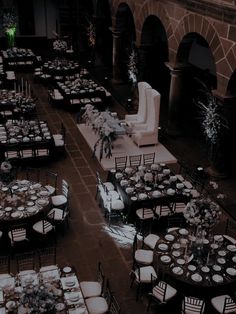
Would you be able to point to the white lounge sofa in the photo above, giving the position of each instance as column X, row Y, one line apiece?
column 141, row 115
column 147, row 133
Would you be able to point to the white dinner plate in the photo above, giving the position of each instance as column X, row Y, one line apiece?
column 196, row 277
column 231, row 271
column 217, row 278
column 67, row 269
column 192, row 267
column 205, row 269
column 221, row 260
column 183, row 231
column 176, row 253
column 133, row 198
column 163, row 247
column 8, row 209
column 180, row 261
column 176, row 246
column 177, row 270
column 169, row 237
column 15, row 214
column 216, row 267
column 231, row 247
column 221, row 253
column 142, row 196
column 165, row 259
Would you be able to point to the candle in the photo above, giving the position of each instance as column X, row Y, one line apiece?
column 208, row 256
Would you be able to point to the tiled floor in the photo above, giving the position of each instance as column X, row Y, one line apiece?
column 85, row 242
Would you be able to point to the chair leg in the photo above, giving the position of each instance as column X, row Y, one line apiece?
column 149, row 303
column 138, row 291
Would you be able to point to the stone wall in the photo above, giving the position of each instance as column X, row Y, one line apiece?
column 214, row 20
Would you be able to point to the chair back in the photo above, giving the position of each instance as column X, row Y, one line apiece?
column 51, row 178
column 25, row 261
column 149, row 158
column 160, row 290
column 114, row 306
column 47, row 226
column 100, row 276
column 193, row 305
column 142, row 104
column 153, row 109
column 135, row 160
column 18, row 234
column 229, row 306
column 120, row 162
column 65, row 188
column 4, row 265
column 47, row 256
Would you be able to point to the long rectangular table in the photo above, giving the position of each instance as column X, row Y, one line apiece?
column 51, row 290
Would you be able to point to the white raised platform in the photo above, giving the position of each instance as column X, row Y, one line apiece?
column 124, row 146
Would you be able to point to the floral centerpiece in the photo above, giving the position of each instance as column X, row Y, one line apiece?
column 6, row 172
column 202, row 213
column 9, row 27
column 60, row 46
column 38, row 299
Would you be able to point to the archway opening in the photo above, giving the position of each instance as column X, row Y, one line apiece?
column 198, row 75
column 153, row 54
column 103, row 33
column 126, row 28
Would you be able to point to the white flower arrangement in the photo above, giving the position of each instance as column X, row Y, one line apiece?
column 203, row 213
column 9, row 21
column 5, row 167
column 60, row 45
column 213, row 123
column 148, row 177
column 132, row 67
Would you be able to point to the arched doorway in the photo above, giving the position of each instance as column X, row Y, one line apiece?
column 125, row 28
column 196, row 63
column 103, row 23
column 153, row 53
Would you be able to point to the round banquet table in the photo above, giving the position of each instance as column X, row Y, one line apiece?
column 202, row 268
column 22, row 202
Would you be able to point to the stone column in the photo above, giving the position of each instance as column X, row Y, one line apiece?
column 175, row 95
column 117, row 45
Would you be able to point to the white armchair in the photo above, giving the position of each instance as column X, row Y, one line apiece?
column 141, row 116
column 147, row 133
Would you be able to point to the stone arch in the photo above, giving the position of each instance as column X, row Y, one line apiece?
column 149, row 9
column 115, row 5
column 199, row 24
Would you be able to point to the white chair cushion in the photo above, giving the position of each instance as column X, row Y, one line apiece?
column 117, row 205
column 218, row 303
column 0, row 234
column 38, row 227
column 170, row 293
column 57, row 137
column 58, row 213
column 109, row 186
column 146, row 214
column 27, row 272
column 90, row 289
column 195, row 193
column 151, row 240
column 146, row 272
column 59, row 142
column 58, row 200
column 48, row 268
column 96, row 305
column 50, row 189
column 144, row 256
column 5, row 276
column 230, row 239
